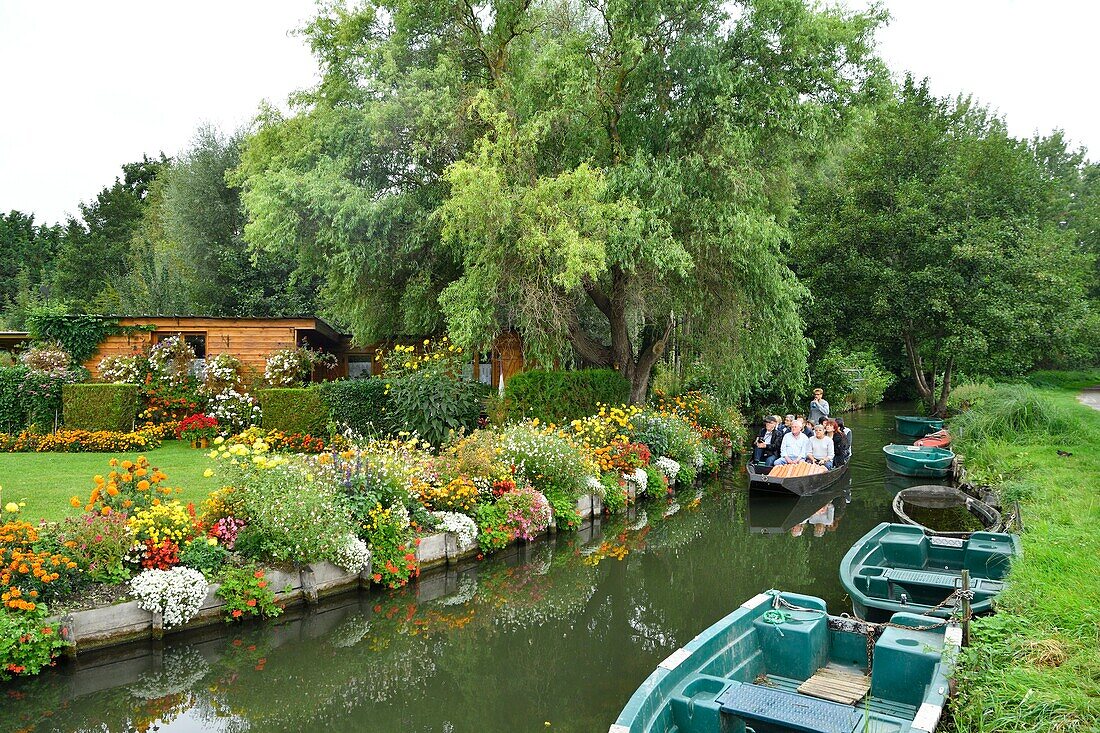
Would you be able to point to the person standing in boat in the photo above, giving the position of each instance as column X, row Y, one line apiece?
column 821, row 448
column 794, row 447
column 819, row 407
column 766, row 448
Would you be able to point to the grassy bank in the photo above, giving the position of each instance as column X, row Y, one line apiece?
column 1035, row 665
column 45, row 481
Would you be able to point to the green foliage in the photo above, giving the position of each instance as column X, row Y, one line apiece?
column 203, row 555
column 427, row 394
column 78, row 334
column 614, row 497
column 1015, row 412
column 968, row 396
column 247, row 594
column 112, row 407
column 27, row 642
column 360, row 404
column 561, row 396
column 1080, row 379
column 28, row 253
column 30, row 399
column 851, row 380
column 580, row 174
column 294, row 410
column 493, row 532
column 393, row 552
column 99, row 544
column 937, row 235
column 548, row 462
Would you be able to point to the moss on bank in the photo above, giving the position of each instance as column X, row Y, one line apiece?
column 1035, row 665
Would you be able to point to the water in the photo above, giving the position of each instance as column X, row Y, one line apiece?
column 559, row 632
column 954, row 518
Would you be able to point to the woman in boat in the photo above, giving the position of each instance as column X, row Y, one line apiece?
column 840, row 442
column 821, row 448
column 847, row 434
column 766, row 448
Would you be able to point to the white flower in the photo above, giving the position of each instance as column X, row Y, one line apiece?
column 639, row 478
column 596, row 487
column 464, row 528
column 176, row 594
column 668, row 467
column 698, row 459
column 353, row 554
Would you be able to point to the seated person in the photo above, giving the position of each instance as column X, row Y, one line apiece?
column 766, row 447
column 847, row 434
column 809, row 429
column 840, row 442
column 786, row 426
column 794, row 447
column 821, row 448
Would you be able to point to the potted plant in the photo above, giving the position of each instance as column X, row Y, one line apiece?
column 198, row 429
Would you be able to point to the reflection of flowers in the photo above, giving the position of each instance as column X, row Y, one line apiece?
column 351, row 631
column 184, row 667
column 467, row 589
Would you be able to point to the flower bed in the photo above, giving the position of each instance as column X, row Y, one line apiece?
column 80, row 441
column 361, row 511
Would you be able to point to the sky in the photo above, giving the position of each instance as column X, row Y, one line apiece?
column 88, row 86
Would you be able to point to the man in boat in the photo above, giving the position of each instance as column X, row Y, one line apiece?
column 766, row 448
column 786, row 426
column 821, row 448
column 794, row 447
column 819, row 408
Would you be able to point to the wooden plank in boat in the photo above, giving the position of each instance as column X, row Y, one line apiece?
column 838, row 685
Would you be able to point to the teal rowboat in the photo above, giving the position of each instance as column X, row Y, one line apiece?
column 915, row 426
column 910, row 460
column 780, row 663
column 897, row 567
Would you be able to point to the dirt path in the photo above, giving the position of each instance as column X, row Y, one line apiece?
column 1090, row 397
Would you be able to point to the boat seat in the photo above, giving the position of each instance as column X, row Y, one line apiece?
column 903, row 547
column 925, row 578
column 772, row 707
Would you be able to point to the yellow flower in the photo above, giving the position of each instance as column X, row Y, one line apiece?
column 11, row 507
column 208, row 473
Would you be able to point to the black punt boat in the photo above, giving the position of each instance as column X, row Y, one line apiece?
column 798, row 485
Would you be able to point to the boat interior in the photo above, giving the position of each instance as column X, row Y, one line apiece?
column 904, row 561
column 766, row 670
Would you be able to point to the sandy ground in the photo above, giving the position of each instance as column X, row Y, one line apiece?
column 1090, row 397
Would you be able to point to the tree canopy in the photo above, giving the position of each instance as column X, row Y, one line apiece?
column 585, row 172
column 937, row 236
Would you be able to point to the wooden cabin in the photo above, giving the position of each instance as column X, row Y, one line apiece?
column 253, row 340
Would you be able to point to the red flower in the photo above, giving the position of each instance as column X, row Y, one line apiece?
column 251, row 603
column 258, row 574
column 237, row 613
column 410, row 556
column 377, row 577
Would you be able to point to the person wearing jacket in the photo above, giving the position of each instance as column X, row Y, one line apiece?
column 766, row 446
column 819, row 407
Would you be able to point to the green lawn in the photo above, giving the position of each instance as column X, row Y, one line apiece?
column 46, row 480
column 1035, row 665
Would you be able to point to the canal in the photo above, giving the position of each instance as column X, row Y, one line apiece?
column 553, row 636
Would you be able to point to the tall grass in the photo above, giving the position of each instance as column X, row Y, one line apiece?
column 1018, row 412
column 1080, row 379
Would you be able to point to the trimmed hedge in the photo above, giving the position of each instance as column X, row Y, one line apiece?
column 360, row 404
column 562, row 396
column 294, row 410
column 95, row 407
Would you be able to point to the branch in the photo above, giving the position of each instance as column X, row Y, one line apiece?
column 590, row 349
column 599, row 298
column 654, row 349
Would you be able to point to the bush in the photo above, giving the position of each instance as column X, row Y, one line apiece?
column 850, row 380
column 359, row 404
column 294, row 410
column 31, row 399
column 968, row 396
column 112, row 407
column 550, row 463
column 562, row 396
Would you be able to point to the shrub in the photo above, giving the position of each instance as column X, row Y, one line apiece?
column 427, row 394
column 561, row 396
column 294, row 410
column 358, row 404
column 967, row 396
column 204, row 554
column 850, row 380
column 527, row 512
column 112, row 407
column 549, row 462
column 31, row 400
column 46, row 357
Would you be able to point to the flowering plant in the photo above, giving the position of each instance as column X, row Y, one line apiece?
column 130, row 369
column 463, row 527
column 247, row 594
column 129, row 486
column 668, row 467
column 390, row 536
column 639, row 479
column 527, row 512
column 457, row 495
column 551, row 463
column 292, row 367
column 353, row 554
column 234, row 411
column 176, row 594
column 225, row 530
column 27, row 642
column 281, row 442
column 27, row 575
column 168, row 521
column 78, row 441
column 170, row 362
column 197, row 427
column 50, row 358
column 98, row 543
column 221, row 372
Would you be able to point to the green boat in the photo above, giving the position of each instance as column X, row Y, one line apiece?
column 780, row 663
column 916, row 426
column 897, row 567
column 910, row 460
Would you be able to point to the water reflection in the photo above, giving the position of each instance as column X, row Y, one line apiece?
column 560, row 631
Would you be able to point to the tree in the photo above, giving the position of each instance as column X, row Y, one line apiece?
column 27, row 252
column 936, row 237
column 587, row 172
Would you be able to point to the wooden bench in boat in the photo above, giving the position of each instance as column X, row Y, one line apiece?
column 757, row 703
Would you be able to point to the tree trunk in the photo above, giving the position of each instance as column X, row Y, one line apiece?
column 945, row 391
column 926, row 384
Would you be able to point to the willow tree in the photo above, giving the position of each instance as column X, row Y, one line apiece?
column 583, row 171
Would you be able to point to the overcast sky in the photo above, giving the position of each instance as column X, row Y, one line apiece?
column 88, row 86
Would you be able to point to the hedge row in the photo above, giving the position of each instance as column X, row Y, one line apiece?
column 560, row 396
column 294, row 410
column 95, row 407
